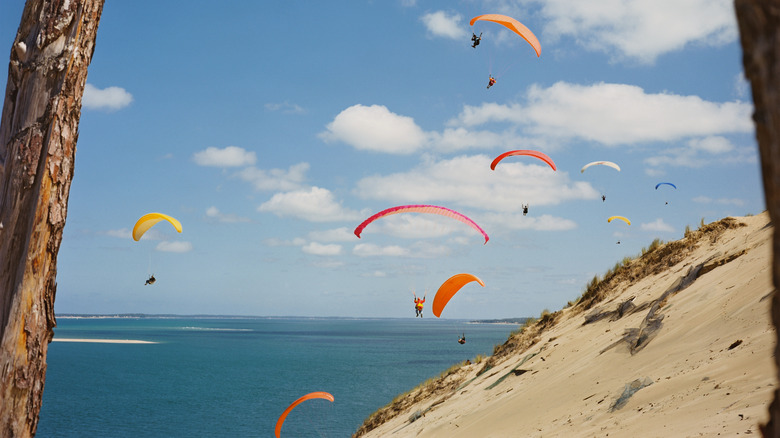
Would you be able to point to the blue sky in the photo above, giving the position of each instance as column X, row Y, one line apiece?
column 271, row 130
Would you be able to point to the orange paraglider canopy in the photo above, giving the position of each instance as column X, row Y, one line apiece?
column 513, row 25
column 530, row 153
column 309, row 396
column 449, row 288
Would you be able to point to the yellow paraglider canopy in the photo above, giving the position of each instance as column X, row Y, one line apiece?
column 619, row 217
column 149, row 220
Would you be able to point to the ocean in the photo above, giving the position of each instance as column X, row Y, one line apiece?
column 233, row 377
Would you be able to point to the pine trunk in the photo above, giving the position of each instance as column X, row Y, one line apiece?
column 38, row 132
column 759, row 28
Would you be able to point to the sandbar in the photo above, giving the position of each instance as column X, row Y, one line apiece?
column 104, row 341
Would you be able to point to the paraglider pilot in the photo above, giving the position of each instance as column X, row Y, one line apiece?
column 475, row 39
column 418, row 305
column 462, row 339
column 151, row 280
column 603, row 198
column 491, row 81
column 525, row 209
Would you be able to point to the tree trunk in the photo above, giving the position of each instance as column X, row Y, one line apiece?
column 38, row 132
column 759, row 28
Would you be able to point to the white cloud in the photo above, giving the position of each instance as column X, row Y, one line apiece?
column 372, row 250
column 122, row 233
column 285, row 108
column 657, row 225
column 342, row 234
column 714, row 144
column 442, row 24
column 315, row 248
column 110, row 98
column 275, row 241
column 610, row 114
column 378, row 274
column 418, row 250
column 742, row 86
column 731, row 201
column 640, row 29
column 613, row 114
column 214, row 213
column 724, row 201
column 700, row 152
column 516, row 221
column 315, row 205
column 416, row 226
column 230, row 156
column 178, row 246
column 375, row 128
column 275, row 179
column 457, row 139
column 468, row 181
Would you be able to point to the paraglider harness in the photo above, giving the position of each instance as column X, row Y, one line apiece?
column 418, row 305
column 491, row 82
column 462, row 339
column 475, row 39
column 525, row 209
column 150, row 280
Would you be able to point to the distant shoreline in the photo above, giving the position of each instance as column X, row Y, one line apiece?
column 514, row 321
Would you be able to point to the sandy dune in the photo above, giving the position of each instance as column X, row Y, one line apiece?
column 706, row 371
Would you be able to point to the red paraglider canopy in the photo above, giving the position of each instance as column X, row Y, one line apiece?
column 530, row 153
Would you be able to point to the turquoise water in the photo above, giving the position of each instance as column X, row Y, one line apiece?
column 220, row 377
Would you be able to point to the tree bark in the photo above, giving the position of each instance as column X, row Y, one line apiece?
column 759, row 29
column 38, row 132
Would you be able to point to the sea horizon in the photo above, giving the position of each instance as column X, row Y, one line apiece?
column 220, row 316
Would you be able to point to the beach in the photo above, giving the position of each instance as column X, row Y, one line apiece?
column 685, row 350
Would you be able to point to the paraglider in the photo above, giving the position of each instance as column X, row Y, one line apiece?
column 525, row 209
column 513, row 25
column 475, row 39
column 149, row 220
column 449, row 288
column 146, row 222
column 418, row 304
column 309, row 396
column 602, row 163
column 667, row 183
column 491, row 81
column 420, row 208
column 619, row 217
column 530, row 153
column 462, row 339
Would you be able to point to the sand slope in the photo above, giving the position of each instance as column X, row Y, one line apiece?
column 707, row 370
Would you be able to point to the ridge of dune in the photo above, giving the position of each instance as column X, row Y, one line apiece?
column 677, row 342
